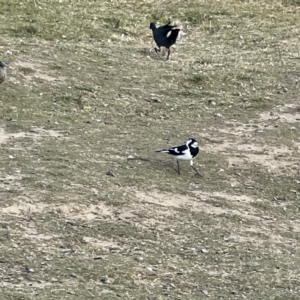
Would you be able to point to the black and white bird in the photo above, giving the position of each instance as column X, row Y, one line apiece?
column 162, row 37
column 185, row 152
column 3, row 67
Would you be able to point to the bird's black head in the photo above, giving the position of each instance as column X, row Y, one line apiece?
column 192, row 143
column 3, row 65
column 152, row 26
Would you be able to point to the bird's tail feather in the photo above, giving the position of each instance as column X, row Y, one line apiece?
column 174, row 34
column 163, row 150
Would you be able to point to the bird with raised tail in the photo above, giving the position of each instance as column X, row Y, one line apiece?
column 188, row 152
column 164, row 36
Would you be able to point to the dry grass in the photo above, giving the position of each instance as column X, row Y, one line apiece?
column 89, row 210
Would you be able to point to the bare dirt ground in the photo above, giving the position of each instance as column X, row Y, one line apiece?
column 89, row 210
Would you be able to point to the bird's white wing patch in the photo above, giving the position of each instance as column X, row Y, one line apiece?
column 185, row 155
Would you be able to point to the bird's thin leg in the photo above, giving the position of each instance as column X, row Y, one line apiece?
column 157, row 49
column 192, row 165
column 196, row 171
column 178, row 168
column 169, row 51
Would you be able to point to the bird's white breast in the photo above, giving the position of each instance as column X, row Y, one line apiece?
column 184, row 156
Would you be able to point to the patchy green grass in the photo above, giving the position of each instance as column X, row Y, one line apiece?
column 89, row 210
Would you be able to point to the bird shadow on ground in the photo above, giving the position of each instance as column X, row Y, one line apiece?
column 158, row 165
column 169, row 167
column 150, row 52
column 158, row 56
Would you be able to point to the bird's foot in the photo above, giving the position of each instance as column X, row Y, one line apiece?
column 197, row 173
column 155, row 49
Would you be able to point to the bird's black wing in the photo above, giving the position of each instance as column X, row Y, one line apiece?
column 178, row 150
column 174, row 34
column 164, row 30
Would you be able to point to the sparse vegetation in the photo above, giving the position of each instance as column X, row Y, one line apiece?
column 88, row 210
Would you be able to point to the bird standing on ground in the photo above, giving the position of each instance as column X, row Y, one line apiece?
column 185, row 152
column 3, row 67
column 161, row 37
